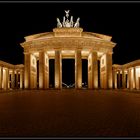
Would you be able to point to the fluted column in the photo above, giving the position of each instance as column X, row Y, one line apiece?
column 16, row 78
column 27, row 69
column 123, row 79
column 58, row 75
column 21, row 79
column 89, row 72
column 109, row 69
column 134, row 78
column 47, row 75
column 7, row 78
column 128, row 78
column 94, row 70
column 13, row 79
column 119, row 79
column 2, row 79
column 1, row 71
column 41, row 69
column 115, row 79
column 78, row 69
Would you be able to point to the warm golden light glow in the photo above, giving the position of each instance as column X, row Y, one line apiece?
column 85, row 52
column 36, row 54
column 69, row 43
column 138, row 71
column 51, row 53
column 67, row 52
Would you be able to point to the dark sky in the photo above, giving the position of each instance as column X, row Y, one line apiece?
column 119, row 20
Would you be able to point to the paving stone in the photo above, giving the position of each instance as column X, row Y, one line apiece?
column 70, row 113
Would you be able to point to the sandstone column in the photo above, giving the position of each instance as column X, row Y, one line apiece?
column 7, row 78
column 13, row 79
column 21, row 79
column 2, row 79
column 119, row 79
column 127, row 78
column 94, row 70
column 47, row 71
column 58, row 75
column 129, row 75
column 123, row 79
column 78, row 69
column 17, row 79
column 41, row 69
column 89, row 72
column 1, row 69
column 27, row 69
column 109, row 69
column 115, row 79
column 134, row 78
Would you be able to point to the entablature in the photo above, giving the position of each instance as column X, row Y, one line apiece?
column 68, row 43
column 11, row 66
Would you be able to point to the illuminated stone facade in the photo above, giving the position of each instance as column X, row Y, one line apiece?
column 127, row 75
column 68, row 40
column 68, row 43
column 11, row 76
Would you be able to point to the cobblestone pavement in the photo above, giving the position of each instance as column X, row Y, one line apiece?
column 70, row 113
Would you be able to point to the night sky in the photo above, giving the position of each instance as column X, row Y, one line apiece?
column 119, row 20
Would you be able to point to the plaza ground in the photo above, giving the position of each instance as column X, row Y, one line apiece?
column 70, row 113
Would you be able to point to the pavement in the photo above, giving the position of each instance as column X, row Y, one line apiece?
column 70, row 113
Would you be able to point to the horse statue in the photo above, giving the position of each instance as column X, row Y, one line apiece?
column 71, row 21
column 59, row 25
column 77, row 24
column 68, row 23
column 64, row 22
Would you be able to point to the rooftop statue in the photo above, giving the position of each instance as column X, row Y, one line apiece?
column 66, row 22
column 67, row 13
column 59, row 25
column 77, row 24
column 71, row 21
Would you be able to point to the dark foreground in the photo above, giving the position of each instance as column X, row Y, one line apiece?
column 70, row 113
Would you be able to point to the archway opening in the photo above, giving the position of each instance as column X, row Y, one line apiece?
column 68, row 73
column 51, row 73
column 84, row 73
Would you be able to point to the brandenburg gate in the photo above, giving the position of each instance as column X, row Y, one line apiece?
column 68, row 40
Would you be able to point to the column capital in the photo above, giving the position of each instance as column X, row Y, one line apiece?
column 137, row 66
column 92, row 50
column 79, row 49
column 41, row 51
column 57, row 49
